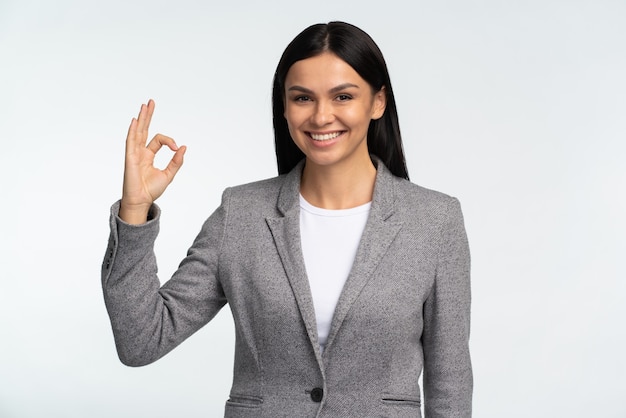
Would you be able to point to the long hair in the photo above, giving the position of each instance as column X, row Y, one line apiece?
column 358, row 50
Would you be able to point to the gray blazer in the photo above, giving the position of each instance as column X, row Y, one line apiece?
column 405, row 306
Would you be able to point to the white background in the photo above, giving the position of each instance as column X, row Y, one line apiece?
column 518, row 108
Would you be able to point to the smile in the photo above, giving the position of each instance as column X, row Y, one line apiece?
column 324, row 137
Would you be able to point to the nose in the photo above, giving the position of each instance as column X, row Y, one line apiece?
column 323, row 114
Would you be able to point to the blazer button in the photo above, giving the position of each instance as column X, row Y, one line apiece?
column 317, row 394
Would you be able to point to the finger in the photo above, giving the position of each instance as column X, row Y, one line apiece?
column 175, row 163
column 132, row 130
column 141, row 117
column 134, row 139
column 151, row 105
column 159, row 140
column 145, row 116
column 131, row 135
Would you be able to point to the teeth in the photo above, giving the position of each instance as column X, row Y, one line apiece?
column 325, row 137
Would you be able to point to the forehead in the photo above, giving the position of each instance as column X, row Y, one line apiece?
column 322, row 71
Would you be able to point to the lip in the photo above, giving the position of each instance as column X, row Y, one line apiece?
column 332, row 137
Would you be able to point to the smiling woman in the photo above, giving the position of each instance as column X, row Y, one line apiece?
column 354, row 49
column 345, row 280
column 328, row 108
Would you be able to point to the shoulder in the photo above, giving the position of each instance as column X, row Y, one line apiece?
column 408, row 199
column 407, row 192
column 413, row 200
column 259, row 189
column 258, row 197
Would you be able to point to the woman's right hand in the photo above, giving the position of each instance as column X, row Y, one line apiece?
column 143, row 182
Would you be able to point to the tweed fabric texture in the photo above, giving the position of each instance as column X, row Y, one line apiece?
column 405, row 307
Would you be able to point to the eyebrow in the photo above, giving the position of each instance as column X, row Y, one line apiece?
column 333, row 90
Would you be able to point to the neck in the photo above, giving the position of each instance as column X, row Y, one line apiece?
column 333, row 187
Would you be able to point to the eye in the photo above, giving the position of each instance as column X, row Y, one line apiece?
column 302, row 99
column 344, row 97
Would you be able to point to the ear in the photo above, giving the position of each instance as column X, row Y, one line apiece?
column 379, row 103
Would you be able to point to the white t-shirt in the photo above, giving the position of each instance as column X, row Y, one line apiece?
column 330, row 239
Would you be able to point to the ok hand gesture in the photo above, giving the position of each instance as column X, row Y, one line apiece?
column 143, row 182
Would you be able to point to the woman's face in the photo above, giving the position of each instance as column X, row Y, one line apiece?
column 328, row 107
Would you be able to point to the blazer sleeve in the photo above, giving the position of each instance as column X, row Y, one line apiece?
column 148, row 320
column 448, row 380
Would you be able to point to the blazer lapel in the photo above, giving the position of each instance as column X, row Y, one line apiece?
column 378, row 235
column 286, row 233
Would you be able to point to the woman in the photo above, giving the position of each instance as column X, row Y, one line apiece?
column 344, row 279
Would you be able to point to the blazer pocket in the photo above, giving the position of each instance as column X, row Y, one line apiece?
column 238, row 404
column 401, row 400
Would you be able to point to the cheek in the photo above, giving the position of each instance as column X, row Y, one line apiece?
column 358, row 118
column 291, row 123
column 294, row 116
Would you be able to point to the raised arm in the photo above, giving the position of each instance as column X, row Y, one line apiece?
column 149, row 320
column 143, row 182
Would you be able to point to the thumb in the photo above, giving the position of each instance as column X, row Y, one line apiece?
column 175, row 163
